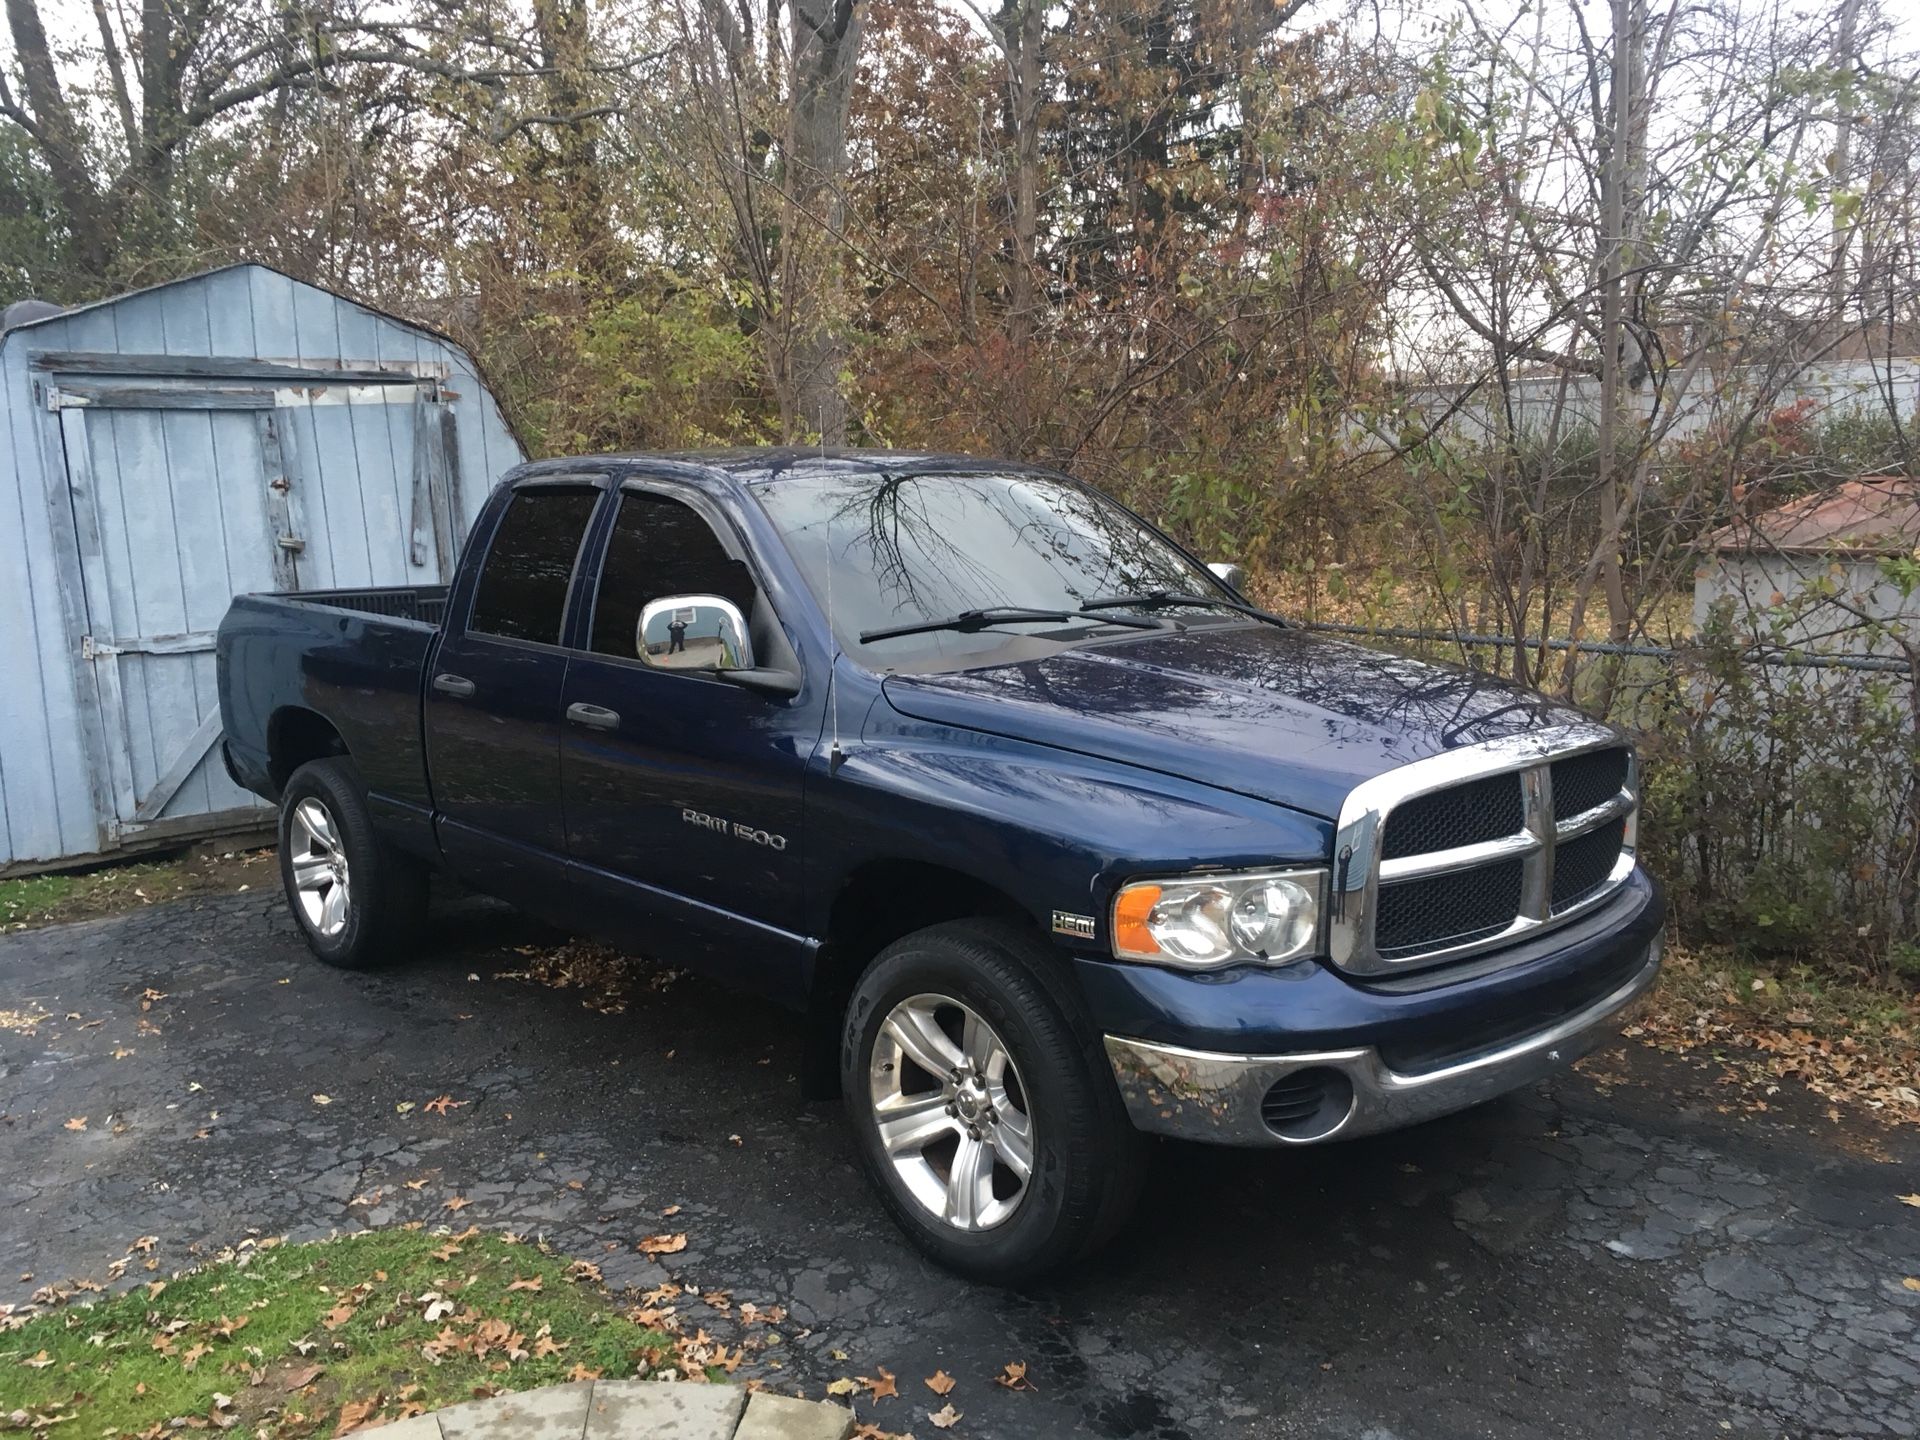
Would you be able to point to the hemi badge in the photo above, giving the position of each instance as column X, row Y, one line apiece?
column 1078, row 926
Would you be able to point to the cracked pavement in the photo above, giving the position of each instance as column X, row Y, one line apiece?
column 1583, row 1259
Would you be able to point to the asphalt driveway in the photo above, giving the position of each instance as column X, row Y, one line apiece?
column 1583, row 1260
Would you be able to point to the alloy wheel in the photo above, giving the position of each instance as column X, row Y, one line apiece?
column 951, row 1112
column 320, row 879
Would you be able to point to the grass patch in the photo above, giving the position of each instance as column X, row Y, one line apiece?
column 35, row 900
column 1849, row 1041
column 295, row 1341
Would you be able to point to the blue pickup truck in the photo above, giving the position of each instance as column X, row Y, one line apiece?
column 1049, row 837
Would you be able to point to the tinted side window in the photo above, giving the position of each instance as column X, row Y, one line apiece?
column 522, row 592
column 660, row 547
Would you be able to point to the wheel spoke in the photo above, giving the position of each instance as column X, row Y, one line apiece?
column 318, row 823
column 1013, row 1141
column 978, row 1043
column 921, row 1039
column 908, row 1123
column 333, row 914
column 969, row 1183
column 311, row 874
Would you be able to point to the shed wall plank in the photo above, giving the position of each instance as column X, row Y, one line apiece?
column 40, row 692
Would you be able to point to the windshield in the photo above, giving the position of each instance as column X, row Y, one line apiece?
column 895, row 550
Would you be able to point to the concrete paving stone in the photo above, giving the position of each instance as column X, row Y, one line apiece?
column 414, row 1427
column 662, row 1410
column 781, row 1417
column 557, row 1412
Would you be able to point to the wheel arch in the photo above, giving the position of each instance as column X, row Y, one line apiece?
column 878, row 903
column 295, row 736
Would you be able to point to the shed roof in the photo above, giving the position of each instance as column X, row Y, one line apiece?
column 1875, row 515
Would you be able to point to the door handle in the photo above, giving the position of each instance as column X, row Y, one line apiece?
column 594, row 717
column 457, row 686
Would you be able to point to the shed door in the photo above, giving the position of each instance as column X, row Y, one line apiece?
column 185, row 496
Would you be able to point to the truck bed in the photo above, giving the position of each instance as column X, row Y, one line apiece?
column 355, row 657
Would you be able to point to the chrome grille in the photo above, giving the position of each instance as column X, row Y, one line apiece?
column 1478, row 847
column 1465, row 815
column 1418, row 915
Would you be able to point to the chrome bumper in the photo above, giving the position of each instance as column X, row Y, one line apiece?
column 1218, row 1098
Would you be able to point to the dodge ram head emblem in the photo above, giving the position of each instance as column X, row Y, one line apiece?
column 1078, row 926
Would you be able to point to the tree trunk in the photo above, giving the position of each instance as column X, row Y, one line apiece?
column 825, row 50
column 54, row 127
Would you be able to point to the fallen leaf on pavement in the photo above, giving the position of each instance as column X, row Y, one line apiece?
column 458, row 1203
column 884, row 1386
column 442, row 1105
column 945, row 1418
column 662, row 1244
column 78, row 1122
column 940, row 1382
column 320, row 1099
column 1912, row 1282
column 1913, row 1200
column 843, row 1386
column 1014, row 1377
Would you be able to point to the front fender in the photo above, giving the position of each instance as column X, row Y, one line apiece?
column 1054, row 830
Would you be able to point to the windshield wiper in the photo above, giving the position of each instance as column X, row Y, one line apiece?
column 1170, row 599
column 967, row 621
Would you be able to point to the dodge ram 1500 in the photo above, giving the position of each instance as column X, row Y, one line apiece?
column 1051, row 839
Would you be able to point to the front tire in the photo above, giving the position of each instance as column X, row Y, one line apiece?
column 356, row 899
column 985, row 1114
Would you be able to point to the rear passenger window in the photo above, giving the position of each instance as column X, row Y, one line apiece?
column 660, row 547
column 522, row 594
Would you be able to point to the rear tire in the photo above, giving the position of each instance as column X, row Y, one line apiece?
column 1022, row 1084
column 357, row 900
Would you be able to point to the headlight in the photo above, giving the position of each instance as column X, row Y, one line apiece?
column 1207, row 920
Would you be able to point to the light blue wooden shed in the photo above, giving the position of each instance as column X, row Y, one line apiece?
column 231, row 432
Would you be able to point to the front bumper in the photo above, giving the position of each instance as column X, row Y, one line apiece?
column 1340, row 1094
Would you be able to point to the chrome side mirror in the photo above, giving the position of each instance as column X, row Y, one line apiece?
column 693, row 632
column 1234, row 575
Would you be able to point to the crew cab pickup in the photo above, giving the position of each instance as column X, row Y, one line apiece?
column 1049, row 837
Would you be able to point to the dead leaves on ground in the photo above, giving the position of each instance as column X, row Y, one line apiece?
column 1762, row 1038
column 662, row 1244
column 602, row 973
column 945, row 1418
column 940, row 1382
column 440, row 1105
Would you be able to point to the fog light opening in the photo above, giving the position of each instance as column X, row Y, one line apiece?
column 1307, row 1104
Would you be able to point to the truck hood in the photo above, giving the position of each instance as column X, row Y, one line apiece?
column 1282, row 715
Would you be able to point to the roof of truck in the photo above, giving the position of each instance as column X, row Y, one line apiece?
column 759, row 465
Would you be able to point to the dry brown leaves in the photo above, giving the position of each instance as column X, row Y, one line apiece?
column 1765, row 1033
column 603, row 973
column 355, row 1414
column 940, row 1382
column 662, row 1244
